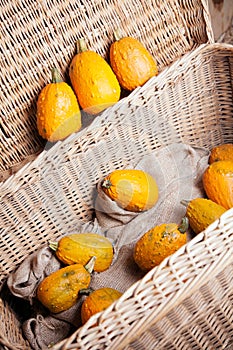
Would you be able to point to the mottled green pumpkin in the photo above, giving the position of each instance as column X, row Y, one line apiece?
column 201, row 212
column 80, row 247
column 60, row 290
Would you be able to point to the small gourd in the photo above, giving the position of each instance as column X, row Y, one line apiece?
column 202, row 212
column 158, row 243
column 93, row 80
column 131, row 62
column 218, row 183
column 97, row 301
column 80, row 247
column 132, row 189
column 60, row 290
column 221, row 152
column 58, row 112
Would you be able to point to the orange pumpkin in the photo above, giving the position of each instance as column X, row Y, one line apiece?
column 158, row 243
column 221, row 152
column 97, row 301
column 132, row 189
column 131, row 62
column 58, row 113
column 218, row 183
column 93, row 80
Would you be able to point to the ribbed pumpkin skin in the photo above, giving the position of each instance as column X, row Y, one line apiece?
column 157, row 244
column 79, row 248
column 58, row 112
column 94, row 82
column 218, row 182
column 132, row 63
column 97, row 301
column 221, row 152
column 59, row 291
column 202, row 212
column 133, row 190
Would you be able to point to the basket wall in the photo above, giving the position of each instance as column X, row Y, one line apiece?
column 189, row 102
column 36, row 35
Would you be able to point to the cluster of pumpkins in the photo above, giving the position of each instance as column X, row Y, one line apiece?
column 133, row 190
column 81, row 253
column 95, row 85
column 137, row 191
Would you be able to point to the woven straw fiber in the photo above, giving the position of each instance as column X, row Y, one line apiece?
column 36, row 35
column 184, row 303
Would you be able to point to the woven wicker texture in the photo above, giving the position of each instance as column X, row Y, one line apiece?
column 36, row 35
column 187, row 301
column 10, row 337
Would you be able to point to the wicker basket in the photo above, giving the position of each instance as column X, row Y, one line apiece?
column 37, row 35
column 186, row 302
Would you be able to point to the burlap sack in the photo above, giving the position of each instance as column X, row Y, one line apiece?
column 23, row 282
column 178, row 170
column 42, row 332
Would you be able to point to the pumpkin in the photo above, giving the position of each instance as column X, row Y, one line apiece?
column 132, row 189
column 80, row 247
column 158, row 243
column 93, row 80
column 97, row 301
column 58, row 112
column 60, row 290
column 131, row 62
column 221, row 152
column 218, row 182
column 201, row 212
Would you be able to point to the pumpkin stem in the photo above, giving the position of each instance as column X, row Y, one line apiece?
column 184, row 225
column 184, row 202
column 117, row 36
column 81, row 45
column 53, row 245
column 106, row 183
column 56, row 77
column 90, row 265
column 86, row 291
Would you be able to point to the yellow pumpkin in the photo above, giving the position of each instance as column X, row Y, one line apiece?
column 158, row 243
column 80, row 247
column 97, row 301
column 93, row 80
column 202, row 212
column 58, row 113
column 218, row 182
column 131, row 62
column 60, row 290
column 221, row 152
column 132, row 189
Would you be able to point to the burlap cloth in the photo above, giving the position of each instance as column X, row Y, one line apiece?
column 178, row 171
